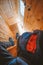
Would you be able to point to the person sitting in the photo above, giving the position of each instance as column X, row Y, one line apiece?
column 6, row 58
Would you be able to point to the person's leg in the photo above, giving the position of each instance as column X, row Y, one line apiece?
column 20, row 61
column 17, row 61
column 13, row 62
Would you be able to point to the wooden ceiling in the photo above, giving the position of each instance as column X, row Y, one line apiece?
column 33, row 17
column 9, row 10
column 9, row 13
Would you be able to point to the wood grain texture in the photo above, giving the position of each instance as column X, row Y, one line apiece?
column 13, row 50
column 33, row 19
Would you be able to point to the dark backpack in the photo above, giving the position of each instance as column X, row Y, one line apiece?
column 36, row 58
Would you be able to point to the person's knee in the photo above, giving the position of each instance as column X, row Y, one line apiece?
column 13, row 62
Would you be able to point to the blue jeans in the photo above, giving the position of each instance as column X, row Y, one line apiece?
column 17, row 61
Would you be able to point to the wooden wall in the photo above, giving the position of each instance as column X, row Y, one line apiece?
column 33, row 17
column 5, row 31
column 14, row 29
column 9, row 13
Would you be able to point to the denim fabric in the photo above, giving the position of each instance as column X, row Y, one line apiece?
column 13, row 62
column 17, row 61
column 21, row 62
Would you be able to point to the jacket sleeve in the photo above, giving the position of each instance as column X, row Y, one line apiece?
column 5, row 56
